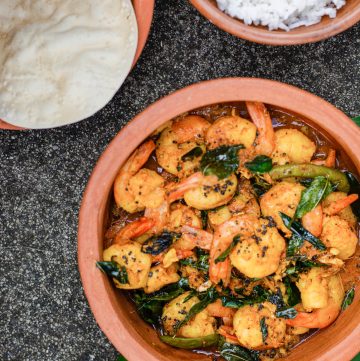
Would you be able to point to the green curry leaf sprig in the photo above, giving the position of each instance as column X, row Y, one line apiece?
column 114, row 270
column 226, row 253
column 260, row 164
column 210, row 296
column 150, row 306
column 349, row 298
column 231, row 352
column 298, row 230
column 202, row 263
column 221, row 161
column 192, row 154
column 318, row 190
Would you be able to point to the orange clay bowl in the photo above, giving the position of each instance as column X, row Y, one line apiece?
column 144, row 10
column 115, row 314
column 346, row 17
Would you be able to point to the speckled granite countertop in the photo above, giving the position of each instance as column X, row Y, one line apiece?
column 44, row 314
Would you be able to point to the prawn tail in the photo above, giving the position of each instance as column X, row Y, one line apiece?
column 262, row 120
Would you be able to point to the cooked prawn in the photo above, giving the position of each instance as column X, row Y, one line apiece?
column 258, row 255
column 346, row 213
column 211, row 196
column 216, row 309
column 230, row 130
column 228, row 333
column 337, row 233
column 177, row 190
column 133, row 230
column 159, row 216
column 282, row 197
column 181, row 215
column 196, row 237
column 175, row 141
column 123, row 196
column 322, row 317
column 313, row 220
column 338, row 205
column 247, row 326
column 265, row 142
column 223, row 236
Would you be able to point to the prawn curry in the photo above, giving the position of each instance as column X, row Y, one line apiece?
column 232, row 228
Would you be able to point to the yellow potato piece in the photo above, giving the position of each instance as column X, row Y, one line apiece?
column 176, row 310
column 208, row 197
column 159, row 276
column 219, row 216
column 293, row 145
column 231, row 130
column 247, row 326
column 136, row 263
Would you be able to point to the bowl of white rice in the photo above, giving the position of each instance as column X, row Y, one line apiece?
column 281, row 22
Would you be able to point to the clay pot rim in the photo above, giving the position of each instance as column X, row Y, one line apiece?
column 144, row 11
column 261, row 35
column 97, row 288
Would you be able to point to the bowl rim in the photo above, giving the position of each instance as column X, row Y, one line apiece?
column 263, row 36
column 97, row 288
column 144, row 12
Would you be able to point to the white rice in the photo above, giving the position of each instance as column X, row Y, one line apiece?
column 280, row 14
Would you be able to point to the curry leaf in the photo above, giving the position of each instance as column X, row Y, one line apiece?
column 286, row 313
column 277, row 299
column 121, row 358
column 201, row 264
column 349, row 298
column 150, row 306
column 211, row 295
column 264, row 329
column 221, row 161
column 157, row 244
column 302, row 263
column 294, row 245
column 259, row 185
column 357, row 120
column 319, row 189
column 260, row 164
column 231, row 352
column 298, row 230
column 193, row 153
column 292, row 292
column 114, row 270
column 149, row 310
column 258, row 295
column 223, row 255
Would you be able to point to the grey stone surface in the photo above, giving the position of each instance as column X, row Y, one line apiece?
column 44, row 314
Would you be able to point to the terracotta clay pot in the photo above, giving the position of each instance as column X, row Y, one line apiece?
column 144, row 10
column 346, row 17
column 116, row 316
